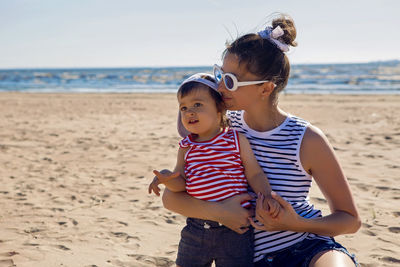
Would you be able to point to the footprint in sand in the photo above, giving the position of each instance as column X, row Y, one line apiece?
column 392, row 166
column 157, row 261
column 125, row 236
column 31, row 244
column 32, row 230
column 363, row 187
column 7, row 263
column 171, row 219
column 134, row 188
column 384, row 240
column 319, row 200
column 395, row 230
column 123, row 223
column 383, row 188
column 372, row 156
column 148, row 222
column 366, row 225
column 396, row 214
column 368, row 232
column 390, row 260
column 62, row 247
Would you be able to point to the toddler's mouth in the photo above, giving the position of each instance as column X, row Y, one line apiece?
column 193, row 121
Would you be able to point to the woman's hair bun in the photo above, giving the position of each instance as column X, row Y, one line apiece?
column 288, row 27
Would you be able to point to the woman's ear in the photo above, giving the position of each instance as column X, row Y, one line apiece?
column 266, row 89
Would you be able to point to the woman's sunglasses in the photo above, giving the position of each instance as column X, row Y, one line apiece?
column 230, row 80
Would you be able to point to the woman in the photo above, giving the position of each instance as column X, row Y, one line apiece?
column 291, row 152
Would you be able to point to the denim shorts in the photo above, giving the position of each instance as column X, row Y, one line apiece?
column 301, row 254
column 203, row 242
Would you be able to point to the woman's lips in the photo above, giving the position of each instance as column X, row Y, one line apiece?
column 224, row 97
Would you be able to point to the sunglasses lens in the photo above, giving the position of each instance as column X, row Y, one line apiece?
column 217, row 74
column 228, row 82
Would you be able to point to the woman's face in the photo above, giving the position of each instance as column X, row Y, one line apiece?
column 244, row 96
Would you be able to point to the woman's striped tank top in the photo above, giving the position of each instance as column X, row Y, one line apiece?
column 277, row 152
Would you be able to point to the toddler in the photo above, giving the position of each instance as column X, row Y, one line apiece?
column 214, row 163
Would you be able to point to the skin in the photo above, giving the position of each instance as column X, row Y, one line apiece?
column 317, row 158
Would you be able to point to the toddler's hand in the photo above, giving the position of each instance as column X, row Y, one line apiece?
column 154, row 186
column 160, row 178
column 272, row 206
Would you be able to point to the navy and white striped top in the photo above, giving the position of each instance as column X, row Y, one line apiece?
column 278, row 153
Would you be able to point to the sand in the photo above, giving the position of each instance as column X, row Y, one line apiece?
column 74, row 170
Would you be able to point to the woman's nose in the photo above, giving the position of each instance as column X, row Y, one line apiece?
column 221, row 87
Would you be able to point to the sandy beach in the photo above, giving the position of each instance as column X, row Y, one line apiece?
column 74, row 171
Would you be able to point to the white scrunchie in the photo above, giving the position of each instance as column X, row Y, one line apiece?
column 273, row 35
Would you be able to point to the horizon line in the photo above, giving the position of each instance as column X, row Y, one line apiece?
column 187, row 66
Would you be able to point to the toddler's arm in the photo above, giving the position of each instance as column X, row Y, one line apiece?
column 174, row 181
column 256, row 176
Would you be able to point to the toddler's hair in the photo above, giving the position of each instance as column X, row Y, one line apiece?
column 190, row 87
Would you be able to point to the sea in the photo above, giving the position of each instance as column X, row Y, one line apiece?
column 362, row 78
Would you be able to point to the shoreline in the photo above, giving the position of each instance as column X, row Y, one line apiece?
column 75, row 169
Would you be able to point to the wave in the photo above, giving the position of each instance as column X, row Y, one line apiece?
column 376, row 77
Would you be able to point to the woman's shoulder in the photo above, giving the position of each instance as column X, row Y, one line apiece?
column 314, row 136
column 314, row 145
column 295, row 120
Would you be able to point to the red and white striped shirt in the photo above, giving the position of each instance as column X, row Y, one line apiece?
column 213, row 168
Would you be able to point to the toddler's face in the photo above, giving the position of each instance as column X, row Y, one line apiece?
column 199, row 113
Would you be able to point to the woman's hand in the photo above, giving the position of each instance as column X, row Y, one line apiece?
column 233, row 215
column 286, row 219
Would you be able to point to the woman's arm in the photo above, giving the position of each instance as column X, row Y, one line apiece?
column 318, row 158
column 228, row 212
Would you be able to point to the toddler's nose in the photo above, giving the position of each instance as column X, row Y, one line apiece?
column 190, row 111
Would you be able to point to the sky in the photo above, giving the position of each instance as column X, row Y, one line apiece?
column 131, row 33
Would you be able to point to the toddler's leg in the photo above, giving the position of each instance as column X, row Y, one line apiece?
column 235, row 249
column 193, row 248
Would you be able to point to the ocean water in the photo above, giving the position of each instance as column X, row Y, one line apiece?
column 366, row 78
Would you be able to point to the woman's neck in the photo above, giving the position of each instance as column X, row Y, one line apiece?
column 262, row 118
